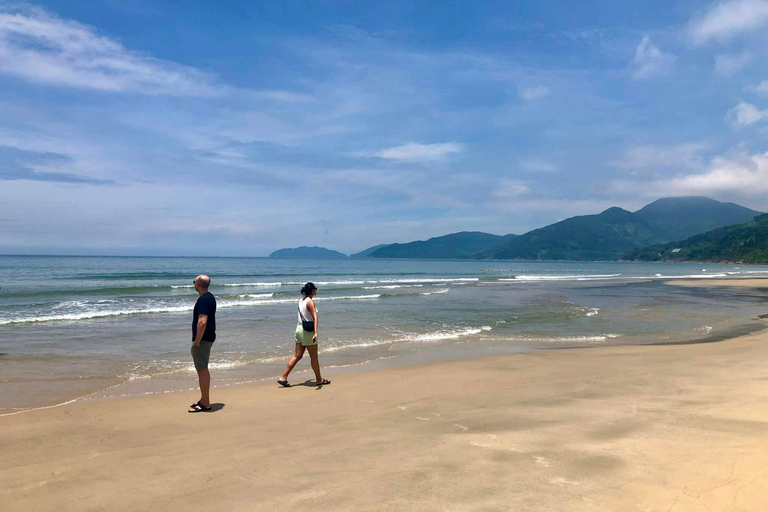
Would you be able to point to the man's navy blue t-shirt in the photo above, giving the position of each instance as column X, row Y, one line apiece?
column 205, row 305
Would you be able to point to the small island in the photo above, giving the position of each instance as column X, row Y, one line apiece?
column 308, row 253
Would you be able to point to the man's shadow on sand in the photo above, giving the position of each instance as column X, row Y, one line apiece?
column 215, row 407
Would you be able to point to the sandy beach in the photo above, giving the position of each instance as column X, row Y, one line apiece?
column 680, row 428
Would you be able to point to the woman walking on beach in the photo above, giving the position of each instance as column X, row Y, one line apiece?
column 306, row 336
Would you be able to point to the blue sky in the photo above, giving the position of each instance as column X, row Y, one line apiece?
column 237, row 128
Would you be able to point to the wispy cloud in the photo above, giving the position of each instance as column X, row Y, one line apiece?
column 730, row 64
column 513, row 196
column 510, row 190
column 761, row 88
column 17, row 164
column 725, row 20
column 652, row 158
column 533, row 93
column 42, row 48
column 415, row 152
column 650, row 61
column 745, row 114
column 538, row 166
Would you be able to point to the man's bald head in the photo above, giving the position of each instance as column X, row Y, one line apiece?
column 203, row 281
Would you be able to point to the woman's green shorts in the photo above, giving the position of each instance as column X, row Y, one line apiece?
column 304, row 337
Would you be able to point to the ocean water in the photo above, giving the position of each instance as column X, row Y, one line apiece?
column 85, row 328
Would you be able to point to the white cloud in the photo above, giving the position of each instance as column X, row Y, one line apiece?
column 650, row 61
column 745, row 114
column 414, row 152
column 537, row 166
column 533, row 93
column 654, row 157
column 761, row 88
column 728, row 19
column 729, row 64
column 736, row 173
column 41, row 48
column 510, row 190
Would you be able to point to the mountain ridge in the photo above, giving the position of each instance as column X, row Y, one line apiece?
column 615, row 231
column 608, row 235
column 452, row 246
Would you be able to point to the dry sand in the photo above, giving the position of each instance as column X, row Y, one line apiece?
column 662, row 428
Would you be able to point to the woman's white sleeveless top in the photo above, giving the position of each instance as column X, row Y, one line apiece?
column 304, row 314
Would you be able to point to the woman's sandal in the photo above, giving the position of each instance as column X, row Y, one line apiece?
column 325, row 382
column 198, row 407
column 283, row 383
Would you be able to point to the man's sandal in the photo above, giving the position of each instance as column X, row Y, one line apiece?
column 198, row 407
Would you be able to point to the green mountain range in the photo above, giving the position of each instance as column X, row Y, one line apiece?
column 308, row 253
column 747, row 242
column 453, row 246
column 610, row 235
column 614, row 232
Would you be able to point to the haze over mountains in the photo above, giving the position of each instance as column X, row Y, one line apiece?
column 608, row 235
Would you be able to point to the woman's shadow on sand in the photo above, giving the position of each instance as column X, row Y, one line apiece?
column 307, row 384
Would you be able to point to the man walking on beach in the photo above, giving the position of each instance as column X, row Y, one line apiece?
column 203, row 336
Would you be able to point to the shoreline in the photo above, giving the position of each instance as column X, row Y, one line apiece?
column 613, row 428
column 377, row 358
column 424, row 357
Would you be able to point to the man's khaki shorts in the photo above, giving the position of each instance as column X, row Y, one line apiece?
column 201, row 355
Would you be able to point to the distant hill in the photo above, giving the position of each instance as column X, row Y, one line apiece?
column 589, row 237
column 614, row 232
column 677, row 218
column 308, row 253
column 453, row 246
column 366, row 252
column 747, row 242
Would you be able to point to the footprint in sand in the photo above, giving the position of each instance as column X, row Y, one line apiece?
column 541, row 461
column 402, row 407
column 422, row 419
column 462, row 427
column 562, row 481
column 490, row 441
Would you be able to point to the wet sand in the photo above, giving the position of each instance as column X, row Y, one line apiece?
column 680, row 428
column 758, row 282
